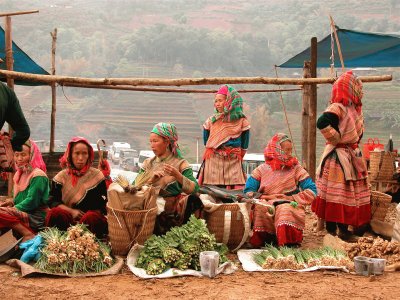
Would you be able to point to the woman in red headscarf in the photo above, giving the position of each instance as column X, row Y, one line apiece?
column 25, row 213
column 79, row 192
column 343, row 193
column 226, row 137
column 285, row 184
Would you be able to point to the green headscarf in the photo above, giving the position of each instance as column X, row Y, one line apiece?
column 233, row 106
column 168, row 130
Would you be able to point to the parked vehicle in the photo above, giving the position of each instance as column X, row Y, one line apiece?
column 252, row 161
column 116, row 149
column 143, row 155
column 128, row 160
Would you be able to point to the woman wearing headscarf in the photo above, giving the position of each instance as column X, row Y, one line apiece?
column 226, row 137
column 25, row 213
column 170, row 172
column 343, row 193
column 285, row 184
column 79, row 192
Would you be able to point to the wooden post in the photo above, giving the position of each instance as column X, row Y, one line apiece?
column 312, row 123
column 305, row 116
column 10, row 81
column 53, row 90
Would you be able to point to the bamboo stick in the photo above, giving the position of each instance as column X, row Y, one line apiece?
column 337, row 42
column 179, row 81
column 18, row 13
column 53, row 90
column 169, row 90
column 305, row 116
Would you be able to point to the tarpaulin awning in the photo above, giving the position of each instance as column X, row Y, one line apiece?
column 359, row 49
column 22, row 62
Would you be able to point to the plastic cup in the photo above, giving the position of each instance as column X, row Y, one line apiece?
column 209, row 262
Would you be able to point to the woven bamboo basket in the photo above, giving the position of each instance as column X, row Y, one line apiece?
column 127, row 227
column 379, row 205
column 230, row 224
column 382, row 165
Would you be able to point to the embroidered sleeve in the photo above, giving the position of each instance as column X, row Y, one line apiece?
column 190, row 184
column 252, row 185
column 38, row 194
column 308, row 192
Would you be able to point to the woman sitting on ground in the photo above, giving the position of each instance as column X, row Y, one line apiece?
column 169, row 171
column 25, row 213
column 284, row 183
column 79, row 192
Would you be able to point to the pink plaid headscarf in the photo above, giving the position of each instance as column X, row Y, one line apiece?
column 275, row 156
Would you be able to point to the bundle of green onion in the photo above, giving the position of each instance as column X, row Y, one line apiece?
column 179, row 248
column 73, row 252
column 296, row 259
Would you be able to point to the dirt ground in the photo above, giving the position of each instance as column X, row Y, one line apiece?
column 239, row 285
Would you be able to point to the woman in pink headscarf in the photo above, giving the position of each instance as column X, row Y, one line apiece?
column 25, row 213
column 79, row 193
column 285, row 184
column 226, row 137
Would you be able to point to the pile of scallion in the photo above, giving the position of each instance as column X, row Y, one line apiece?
column 75, row 251
column 179, row 248
column 296, row 259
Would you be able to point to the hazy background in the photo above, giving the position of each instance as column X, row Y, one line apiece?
column 188, row 38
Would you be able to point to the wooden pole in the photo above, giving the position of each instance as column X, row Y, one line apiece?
column 10, row 81
column 169, row 90
column 53, row 91
column 312, row 123
column 180, row 81
column 305, row 116
column 18, row 13
column 337, row 42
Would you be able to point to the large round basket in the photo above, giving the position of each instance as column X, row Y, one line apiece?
column 127, row 227
column 379, row 205
column 230, row 224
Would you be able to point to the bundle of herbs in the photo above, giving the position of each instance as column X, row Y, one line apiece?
column 72, row 252
column 179, row 248
column 284, row 258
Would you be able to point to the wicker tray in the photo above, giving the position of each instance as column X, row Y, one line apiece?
column 379, row 205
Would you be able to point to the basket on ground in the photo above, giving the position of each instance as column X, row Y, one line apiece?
column 127, row 227
column 379, row 205
column 229, row 223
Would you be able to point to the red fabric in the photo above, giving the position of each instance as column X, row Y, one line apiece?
column 275, row 156
column 347, row 90
column 288, row 235
column 6, row 221
column 96, row 222
column 339, row 213
column 62, row 219
column 223, row 90
column 58, row 217
column 66, row 159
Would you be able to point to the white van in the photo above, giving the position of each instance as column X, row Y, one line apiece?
column 252, row 161
column 115, row 150
column 143, row 155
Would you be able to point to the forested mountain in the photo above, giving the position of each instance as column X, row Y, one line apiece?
column 183, row 38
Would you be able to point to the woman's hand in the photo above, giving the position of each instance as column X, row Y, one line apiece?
column 172, row 171
column 7, row 203
column 76, row 214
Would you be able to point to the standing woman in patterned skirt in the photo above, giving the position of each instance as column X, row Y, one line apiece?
column 343, row 193
column 226, row 137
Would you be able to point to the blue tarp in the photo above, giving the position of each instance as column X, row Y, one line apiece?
column 359, row 49
column 22, row 62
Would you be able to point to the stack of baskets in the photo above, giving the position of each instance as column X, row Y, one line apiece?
column 379, row 205
column 230, row 223
column 127, row 227
column 382, row 165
